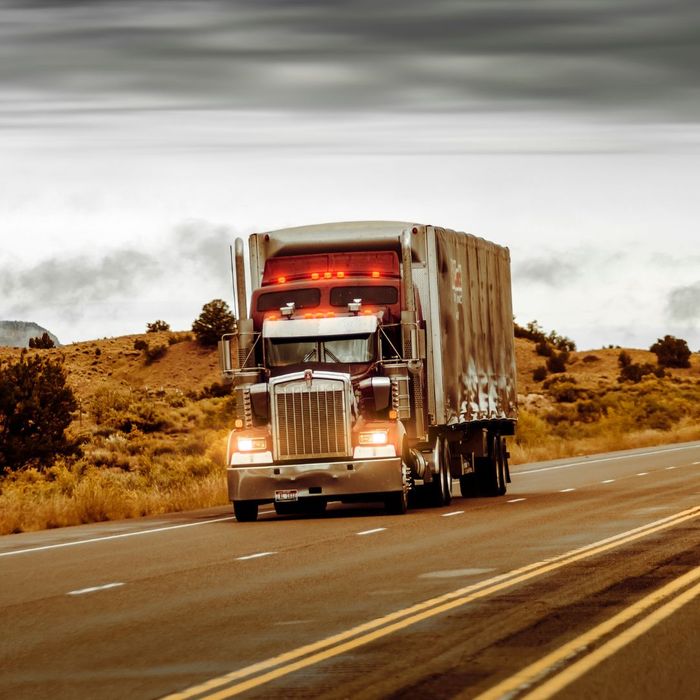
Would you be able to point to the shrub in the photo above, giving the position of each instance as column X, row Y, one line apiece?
column 180, row 337
column 671, row 352
column 42, row 342
column 591, row 358
column 215, row 320
column 544, row 349
column 157, row 326
column 35, row 409
column 539, row 374
column 624, row 359
column 635, row 372
column 557, row 362
column 151, row 353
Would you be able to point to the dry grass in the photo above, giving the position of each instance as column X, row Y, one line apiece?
column 153, row 433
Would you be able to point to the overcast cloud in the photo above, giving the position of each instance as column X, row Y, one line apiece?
column 137, row 138
column 636, row 58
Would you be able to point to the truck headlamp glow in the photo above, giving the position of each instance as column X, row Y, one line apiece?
column 374, row 437
column 247, row 444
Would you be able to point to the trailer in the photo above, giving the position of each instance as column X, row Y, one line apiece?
column 375, row 361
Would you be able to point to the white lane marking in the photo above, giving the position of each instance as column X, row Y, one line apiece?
column 371, row 532
column 516, row 500
column 455, row 573
column 668, row 469
column 112, row 537
column 568, row 465
column 257, row 555
column 642, row 473
column 567, row 490
column 81, row 591
column 454, row 512
column 694, row 463
column 607, row 481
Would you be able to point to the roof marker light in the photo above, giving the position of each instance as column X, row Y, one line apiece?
column 340, row 274
column 375, row 273
column 281, row 280
column 327, row 275
column 314, row 275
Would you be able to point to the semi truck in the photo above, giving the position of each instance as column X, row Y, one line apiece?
column 374, row 362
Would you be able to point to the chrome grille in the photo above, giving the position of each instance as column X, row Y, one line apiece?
column 311, row 421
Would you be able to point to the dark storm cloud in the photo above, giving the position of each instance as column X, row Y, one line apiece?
column 552, row 271
column 638, row 56
column 684, row 303
column 68, row 284
column 72, row 282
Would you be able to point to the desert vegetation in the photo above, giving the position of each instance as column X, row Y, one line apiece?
column 137, row 425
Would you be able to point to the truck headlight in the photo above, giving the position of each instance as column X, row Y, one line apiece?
column 374, row 437
column 248, row 444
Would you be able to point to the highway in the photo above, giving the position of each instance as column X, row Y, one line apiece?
column 583, row 581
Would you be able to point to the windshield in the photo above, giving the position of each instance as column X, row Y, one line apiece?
column 334, row 350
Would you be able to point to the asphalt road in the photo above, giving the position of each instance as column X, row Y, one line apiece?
column 584, row 581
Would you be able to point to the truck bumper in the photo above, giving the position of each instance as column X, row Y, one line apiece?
column 330, row 480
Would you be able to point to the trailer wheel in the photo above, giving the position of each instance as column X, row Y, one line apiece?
column 468, row 485
column 446, row 470
column 490, row 471
column 396, row 502
column 245, row 511
column 439, row 489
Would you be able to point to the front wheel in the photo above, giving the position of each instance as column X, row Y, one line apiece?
column 396, row 503
column 440, row 488
column 245, row 511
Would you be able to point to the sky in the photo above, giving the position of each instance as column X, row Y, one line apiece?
column 139, row 138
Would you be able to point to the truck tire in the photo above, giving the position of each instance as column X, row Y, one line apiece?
column 439, row 489
column 245, row 511
column 490, row 472
column 396, row 502
column 468, row 485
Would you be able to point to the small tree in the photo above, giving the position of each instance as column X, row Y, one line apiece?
column 215, row 320
column 671, row 352
column 157, row 326
column 624, row 359
column 42, row 342
column 35, row 409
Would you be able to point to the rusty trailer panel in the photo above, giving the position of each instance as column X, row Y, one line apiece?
column 471, row 328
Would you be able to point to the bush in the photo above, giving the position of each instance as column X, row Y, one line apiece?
column 150, row 353
column 157, row 326
column 215, row 320
column 544, row 349
column 671, row 352
column 35, row 409
column 624, row 359
column 539, row 374
column 635, row 372
column 557, row 362
column 591, row 358
column 42, row 342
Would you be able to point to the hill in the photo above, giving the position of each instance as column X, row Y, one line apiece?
column 17, row 334
column 152, row 425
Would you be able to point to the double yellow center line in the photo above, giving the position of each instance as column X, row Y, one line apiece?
column 236, row 682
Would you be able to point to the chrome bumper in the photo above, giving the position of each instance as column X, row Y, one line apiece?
column 331, row 480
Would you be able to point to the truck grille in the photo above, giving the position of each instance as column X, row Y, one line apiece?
column 311, row 421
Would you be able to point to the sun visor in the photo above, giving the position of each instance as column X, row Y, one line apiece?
column 320, row 327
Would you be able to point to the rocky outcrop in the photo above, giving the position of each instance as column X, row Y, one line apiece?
column 16, row 334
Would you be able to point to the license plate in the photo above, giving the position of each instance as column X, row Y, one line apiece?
column 289, row 495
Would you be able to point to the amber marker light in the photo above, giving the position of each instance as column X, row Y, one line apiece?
column 375, row 273
column 281, row 280
column 308, row 315
column 340, row 274
column 315, row 275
